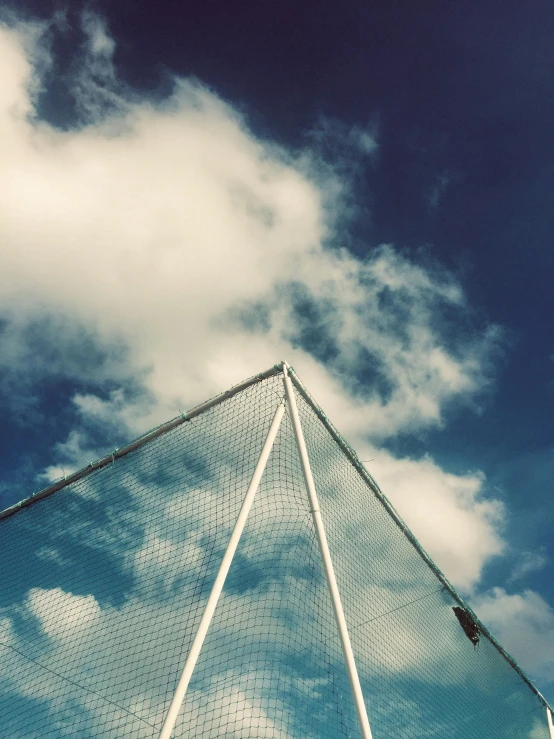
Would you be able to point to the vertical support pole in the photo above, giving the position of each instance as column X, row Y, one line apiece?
column 550, row 724
column 204, row 625
column 327, row 562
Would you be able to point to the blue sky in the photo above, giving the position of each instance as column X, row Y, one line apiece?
column 365, row 190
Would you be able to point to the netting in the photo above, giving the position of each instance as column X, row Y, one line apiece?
column 104, row 583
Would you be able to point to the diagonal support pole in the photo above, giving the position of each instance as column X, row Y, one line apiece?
column 327, row 562
column 550, row 724
column 207, row 616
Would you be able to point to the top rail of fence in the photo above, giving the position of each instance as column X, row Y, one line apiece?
column 141, row 441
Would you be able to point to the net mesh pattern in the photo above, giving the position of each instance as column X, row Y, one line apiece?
column 104, row 583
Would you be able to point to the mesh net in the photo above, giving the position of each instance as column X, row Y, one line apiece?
column 104, row 583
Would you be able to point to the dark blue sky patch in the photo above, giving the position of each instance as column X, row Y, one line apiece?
column 56, row 102
column 244, row 576
column 371, row 379
column 316, row 322
column 57, row 349
column 395, row 307
column 61, row 542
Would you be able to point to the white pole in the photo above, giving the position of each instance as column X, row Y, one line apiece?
column 550, row 725
column 327, row 562
column 204, row 625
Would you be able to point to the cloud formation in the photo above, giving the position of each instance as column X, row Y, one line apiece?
column 528, row 562
column 165, row 249
column 524, row 625
column 449, row 512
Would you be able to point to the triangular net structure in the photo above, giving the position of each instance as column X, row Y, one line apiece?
column 105, row 576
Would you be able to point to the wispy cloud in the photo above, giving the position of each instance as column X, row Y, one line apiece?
column 437, row 191
column 528, row 562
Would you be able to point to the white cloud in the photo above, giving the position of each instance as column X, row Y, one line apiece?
column 100, row 44
column 524, row 624
column 79, row 611
column 246, row 720
column 158, row 227
column 460, row 527
column 71, row 453
column 207, row 254
column 6, row 631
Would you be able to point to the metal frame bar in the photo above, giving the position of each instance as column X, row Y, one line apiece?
column 327, row 561
column 391, row 510
column 153, row 434
column 204, row 625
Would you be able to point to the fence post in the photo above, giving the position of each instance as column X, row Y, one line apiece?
column 327, row 562
column 171, row 718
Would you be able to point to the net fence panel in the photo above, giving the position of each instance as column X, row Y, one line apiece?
column 420, row 674
column 103, row 585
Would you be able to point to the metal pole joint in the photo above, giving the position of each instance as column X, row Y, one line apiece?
column 327, row 561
